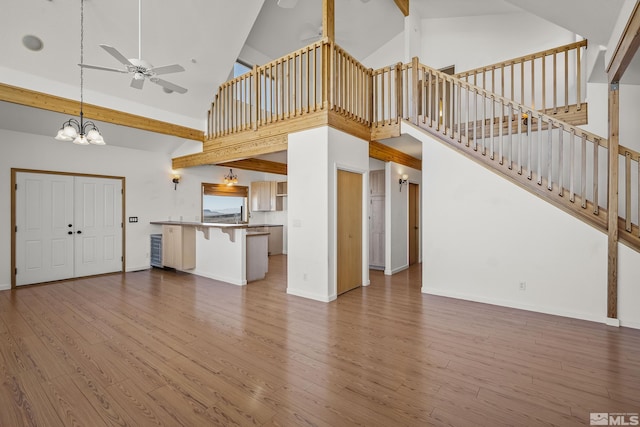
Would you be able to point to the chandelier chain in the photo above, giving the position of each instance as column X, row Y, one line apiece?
column 81, row 56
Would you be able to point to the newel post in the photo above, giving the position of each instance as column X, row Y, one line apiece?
column 612, row 205
column 415, row 89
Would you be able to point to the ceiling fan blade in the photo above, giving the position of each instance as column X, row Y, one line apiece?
column 168, row 85
column 167, row 69
column 114, row 52
column 95, row 67
column 137, row 83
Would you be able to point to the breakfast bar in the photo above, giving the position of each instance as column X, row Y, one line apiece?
column 232, row 253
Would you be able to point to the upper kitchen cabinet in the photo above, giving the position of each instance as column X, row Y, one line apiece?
column 263, row 196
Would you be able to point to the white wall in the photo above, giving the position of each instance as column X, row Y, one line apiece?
column 150, row 194
column 314, row 157
column 397, row 216
column 390, row 53
column 473, row 41
column 483, row 236
column 308, row 222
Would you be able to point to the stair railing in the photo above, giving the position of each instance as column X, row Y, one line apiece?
column 629, row 195
column 550, row 81
column 534, row 148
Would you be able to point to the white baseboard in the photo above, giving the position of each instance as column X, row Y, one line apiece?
column 5, row 287
column 132, row 269
column 229, row 280
column 395, row 270
column 310, row 295
column 634, row 325
column 513, row 304
column 613, row 322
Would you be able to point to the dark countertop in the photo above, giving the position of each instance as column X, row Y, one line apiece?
column 264, row 225
column 200, row 224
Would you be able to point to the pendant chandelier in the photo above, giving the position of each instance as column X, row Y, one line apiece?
column 80, row 132
column 231, row 178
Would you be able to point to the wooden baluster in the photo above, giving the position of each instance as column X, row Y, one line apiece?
column 520, row 140
column 555, row 83
column 444, row 108
column 638, row 194
column 429, row 98
column 566, row 81
column 512, row 93
column 561, row 161
column 491, row 128
column 501, row 133
column 533, row 84
column 468, row 115
column 596, row 149
column 540, row 149
column 315, row 78
column 271, row 94
column 529, row 144
column 390, row 95
column 627, row 191
column 522, row 83
column 437, row 101
column 294, row 82
column 502, row 80
column 544, row 83
column 475, row 119
column 483, row 98
column 550, row 156
column 493, row 79
column 583, row 170
column 383, row 105
column 451, row 107
column 578, row 79
column 459, row 115
column 308, row 80
column 572, row 154
column 375, row 98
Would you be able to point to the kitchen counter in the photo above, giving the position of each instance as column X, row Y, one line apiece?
column 232, row 253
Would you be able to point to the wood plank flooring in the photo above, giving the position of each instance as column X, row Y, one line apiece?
column 161, row 348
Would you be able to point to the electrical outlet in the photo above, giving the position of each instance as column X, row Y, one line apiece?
column 133, row 219
column 523, row 286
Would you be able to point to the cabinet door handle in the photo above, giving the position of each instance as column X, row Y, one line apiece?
column 79, row 232
column 69, row 232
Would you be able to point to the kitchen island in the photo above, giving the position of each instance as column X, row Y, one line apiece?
column 231, row 253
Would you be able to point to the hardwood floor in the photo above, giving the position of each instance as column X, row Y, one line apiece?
column 160, row 348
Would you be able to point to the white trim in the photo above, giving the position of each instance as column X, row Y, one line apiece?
column 229, row 280
column 634, row 325
column 612, row 322
column 5, row 287
column 133, row 269
column 511, row 304
column 311, row 295
column 396, row 270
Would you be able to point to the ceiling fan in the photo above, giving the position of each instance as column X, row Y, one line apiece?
column 139, row 68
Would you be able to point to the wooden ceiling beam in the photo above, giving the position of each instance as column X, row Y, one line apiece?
column 403, row 5
column 626, row 48
column 257, row 165
column 378, row 150
column 30, row 98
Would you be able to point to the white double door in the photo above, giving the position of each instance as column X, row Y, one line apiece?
column 66, row 226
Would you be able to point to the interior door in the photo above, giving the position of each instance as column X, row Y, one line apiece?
column 44, row 228
column 414, row 223
column 98, row 225
column 66, row 226
column 349, row 236
column 376, row 219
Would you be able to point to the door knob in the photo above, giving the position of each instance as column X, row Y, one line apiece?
column 70, row 225
column 79, row 232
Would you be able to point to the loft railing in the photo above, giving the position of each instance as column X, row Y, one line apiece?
column 550, row 79
column 554, row 159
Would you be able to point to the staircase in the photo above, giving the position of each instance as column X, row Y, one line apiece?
column 518, row 118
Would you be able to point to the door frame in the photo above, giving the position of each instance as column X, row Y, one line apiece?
column 418, row 207
column 364, row 224
column 15, row 171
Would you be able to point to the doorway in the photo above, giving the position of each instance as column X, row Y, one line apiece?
column 414, row 223
column 349, row 235
column 65, row 226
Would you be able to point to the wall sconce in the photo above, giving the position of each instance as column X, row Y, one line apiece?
column 176, row 180
column 231, row 178
column 403, row 180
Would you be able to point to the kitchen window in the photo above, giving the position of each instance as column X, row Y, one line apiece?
column 224, row 203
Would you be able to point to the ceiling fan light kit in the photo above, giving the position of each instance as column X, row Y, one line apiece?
column 140, row 69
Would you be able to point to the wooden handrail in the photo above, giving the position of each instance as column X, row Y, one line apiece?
column 535, row 85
